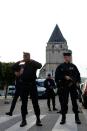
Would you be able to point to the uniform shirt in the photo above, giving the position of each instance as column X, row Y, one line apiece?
column 49, row 84
column 29, row 71
column 67, row 69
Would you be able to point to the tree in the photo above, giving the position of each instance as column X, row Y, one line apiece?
column 6, row 74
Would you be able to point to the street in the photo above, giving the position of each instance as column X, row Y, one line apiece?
column 50, row 119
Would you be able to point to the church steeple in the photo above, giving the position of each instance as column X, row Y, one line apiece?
column 55, row 48
column 56, row 36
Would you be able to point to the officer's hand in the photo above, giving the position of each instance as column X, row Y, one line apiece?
column 67, row 78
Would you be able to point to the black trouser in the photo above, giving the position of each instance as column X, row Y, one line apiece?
column 50, row 95
column 32, row 90
column 63, row 97
column 24, row 99
column 16, row 95
column 34, row 98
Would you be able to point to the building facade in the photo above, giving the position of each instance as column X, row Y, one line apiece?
column 54, row 53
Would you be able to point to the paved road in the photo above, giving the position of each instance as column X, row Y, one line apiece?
column 50, row 120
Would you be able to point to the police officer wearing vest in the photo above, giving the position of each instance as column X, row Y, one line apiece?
column 67, row 78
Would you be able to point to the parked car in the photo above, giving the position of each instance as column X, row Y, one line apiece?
column 2, row 93
column 84, row 93
column 40, row 88
column 11, row 90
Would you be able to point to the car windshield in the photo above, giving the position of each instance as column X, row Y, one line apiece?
column 11, row 89
column 40, row 83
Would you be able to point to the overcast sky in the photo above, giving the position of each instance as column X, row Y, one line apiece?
column 26, row 25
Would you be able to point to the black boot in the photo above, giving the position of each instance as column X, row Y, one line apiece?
column 23, row 123
column 63, row 120
column 55, row 109
column 8, row 113
column 49, row 109
column 77, row 120
column 59, row 111
column 38, row 122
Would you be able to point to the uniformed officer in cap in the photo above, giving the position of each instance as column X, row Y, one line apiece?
column 49, row 84
column 28, row 78
column 67, row 78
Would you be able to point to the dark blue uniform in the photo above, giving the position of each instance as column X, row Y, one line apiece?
column 29, row 87
column 49, row 84
column 67, row 86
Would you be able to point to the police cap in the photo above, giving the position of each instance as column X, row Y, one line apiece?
column 67, row 53
column 49, row 74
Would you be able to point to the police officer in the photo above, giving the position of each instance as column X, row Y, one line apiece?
column 68, row 78
column 17, row 71
column 49, row 84
column 28, row 78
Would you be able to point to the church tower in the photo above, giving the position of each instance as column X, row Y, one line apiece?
column 56, row 45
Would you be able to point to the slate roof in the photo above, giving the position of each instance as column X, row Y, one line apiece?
column 56, row 36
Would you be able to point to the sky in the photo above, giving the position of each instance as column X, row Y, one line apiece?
column 26, row 25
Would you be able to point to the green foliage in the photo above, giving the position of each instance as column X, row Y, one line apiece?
column 6, row 74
